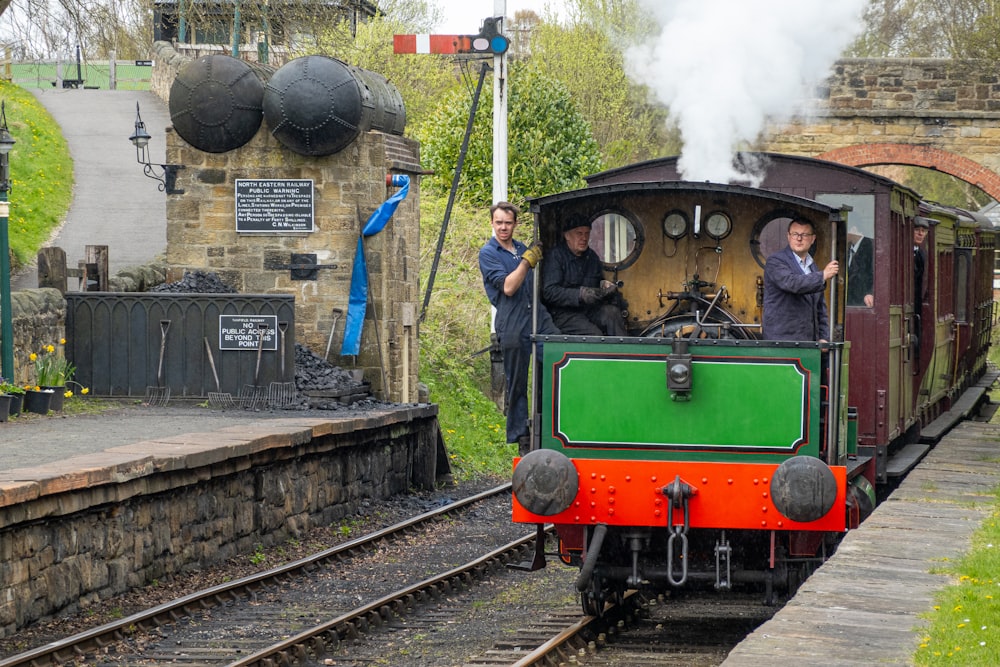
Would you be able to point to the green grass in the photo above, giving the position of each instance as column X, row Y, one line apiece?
column 41, row 174
column 966, row 617
column 128, row 76
column 964, row 625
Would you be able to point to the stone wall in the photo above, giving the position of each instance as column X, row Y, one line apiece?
column 39, row 315
column 348, row 187
column 927, row 112
column 77, row 531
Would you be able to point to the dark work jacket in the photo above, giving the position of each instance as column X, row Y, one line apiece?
column 563, row 274
column 861, row 273
column 513, row 318
column 794, row 308
column 919, row 262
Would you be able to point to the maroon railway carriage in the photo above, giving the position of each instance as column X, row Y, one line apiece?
column 910, row 361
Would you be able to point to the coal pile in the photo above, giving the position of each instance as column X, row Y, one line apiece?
column 196, row 282
column 326, row 386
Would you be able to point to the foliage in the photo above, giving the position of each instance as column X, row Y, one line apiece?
column 936, row 186
column 48, row 30
column 41, row 174
column 929, row 29
column 966, row 614
column 51, row 368
column 585, row 60
column 550, row 145
column 9, row 387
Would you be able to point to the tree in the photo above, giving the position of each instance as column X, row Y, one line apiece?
column 930, row 29
column 585, row 59
column 551, row 147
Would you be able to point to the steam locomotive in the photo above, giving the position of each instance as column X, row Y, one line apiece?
column 692, row 452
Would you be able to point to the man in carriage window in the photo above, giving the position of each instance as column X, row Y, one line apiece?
column 794, row 305
column 580, row 301
column 860, row 269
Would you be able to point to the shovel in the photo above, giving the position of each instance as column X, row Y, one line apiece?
column 254, row 397
column 159, row 395
column 337, row 312
column 218, row 398
column 280, row 394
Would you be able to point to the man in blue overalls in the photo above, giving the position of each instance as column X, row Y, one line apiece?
column 506, row 265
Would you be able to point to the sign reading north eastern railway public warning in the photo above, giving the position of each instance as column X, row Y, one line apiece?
column 274, row 205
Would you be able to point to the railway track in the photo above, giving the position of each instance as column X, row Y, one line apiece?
column 693, row 630
column 240, row 618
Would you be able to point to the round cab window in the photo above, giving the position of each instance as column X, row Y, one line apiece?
column 770, row 235
column 616, row 239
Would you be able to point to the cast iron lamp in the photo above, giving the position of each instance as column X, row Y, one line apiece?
column 140, row 139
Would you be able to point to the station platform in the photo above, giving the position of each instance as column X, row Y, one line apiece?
column 94, row 505
column 864, row 606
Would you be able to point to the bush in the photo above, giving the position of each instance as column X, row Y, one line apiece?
column 550, row 145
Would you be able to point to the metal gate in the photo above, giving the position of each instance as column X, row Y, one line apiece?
column 116, row 340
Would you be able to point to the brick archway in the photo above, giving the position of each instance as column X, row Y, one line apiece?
column 867, row 155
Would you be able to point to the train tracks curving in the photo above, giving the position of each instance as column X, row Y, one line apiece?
column 238, row 619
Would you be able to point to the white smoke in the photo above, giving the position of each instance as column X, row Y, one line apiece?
column 725, row 67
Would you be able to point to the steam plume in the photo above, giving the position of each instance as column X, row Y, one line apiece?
column 724, row 67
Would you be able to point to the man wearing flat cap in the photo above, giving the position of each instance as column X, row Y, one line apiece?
column 579, row 301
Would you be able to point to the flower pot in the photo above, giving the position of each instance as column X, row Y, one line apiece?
column 4, row 407
column 16, row 402
column 37, row 401
column 58, row 397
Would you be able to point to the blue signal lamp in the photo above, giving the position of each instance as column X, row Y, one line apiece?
column 489, row 40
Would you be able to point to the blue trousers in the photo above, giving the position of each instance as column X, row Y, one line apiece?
column 516, row 359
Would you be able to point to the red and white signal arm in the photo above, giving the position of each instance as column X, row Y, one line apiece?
column 445, row 44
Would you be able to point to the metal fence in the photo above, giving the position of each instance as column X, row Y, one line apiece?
column 95, row 74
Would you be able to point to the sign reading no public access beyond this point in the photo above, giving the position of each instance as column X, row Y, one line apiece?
column 271, row 205
column 242, row 332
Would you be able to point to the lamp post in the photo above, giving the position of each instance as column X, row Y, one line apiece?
column 140, row 139
column 6, row 317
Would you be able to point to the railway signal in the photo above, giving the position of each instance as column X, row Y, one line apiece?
column 489, row 41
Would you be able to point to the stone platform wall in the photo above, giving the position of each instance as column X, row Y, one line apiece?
column 96, row 526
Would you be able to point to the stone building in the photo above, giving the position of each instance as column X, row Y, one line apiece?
column 347, row 187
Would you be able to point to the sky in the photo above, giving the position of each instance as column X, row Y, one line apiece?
column 463, row 17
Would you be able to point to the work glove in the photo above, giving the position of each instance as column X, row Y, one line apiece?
column 533, row 254
column 591, row 295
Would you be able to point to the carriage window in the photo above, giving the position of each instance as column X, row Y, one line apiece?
column 616, row 239
column 860, row 243
column 961, row 285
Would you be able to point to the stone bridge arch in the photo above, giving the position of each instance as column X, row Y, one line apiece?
column 926, row 112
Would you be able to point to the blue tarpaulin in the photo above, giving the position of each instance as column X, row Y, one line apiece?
column 357, row 304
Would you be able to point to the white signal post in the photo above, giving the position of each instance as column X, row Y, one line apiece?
column 500, row 110
column 484, row 43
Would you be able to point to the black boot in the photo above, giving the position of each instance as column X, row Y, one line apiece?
column 523, row 445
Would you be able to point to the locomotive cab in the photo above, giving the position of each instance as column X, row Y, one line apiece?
column 689, row 451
